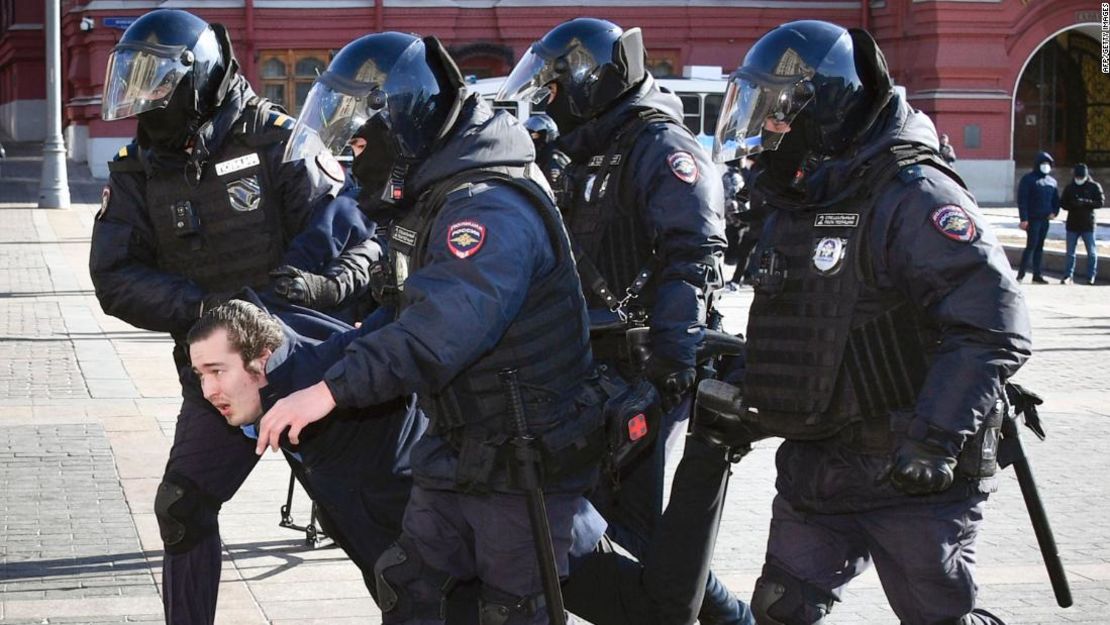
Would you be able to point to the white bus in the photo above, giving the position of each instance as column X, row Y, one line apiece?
column 701, row 99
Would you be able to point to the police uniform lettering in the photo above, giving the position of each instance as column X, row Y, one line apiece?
column 237, row 164
column 836, row 220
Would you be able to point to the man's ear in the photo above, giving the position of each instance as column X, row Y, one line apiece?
column 258, row 365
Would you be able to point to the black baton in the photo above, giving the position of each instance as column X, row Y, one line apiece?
column 1011, row 452
column 528, row 476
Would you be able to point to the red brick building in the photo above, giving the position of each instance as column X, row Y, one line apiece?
column 1003, row 78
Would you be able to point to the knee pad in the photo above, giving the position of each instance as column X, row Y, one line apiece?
column 782, row 599
column 497, row 607
column 185, row 514
column 407, row 587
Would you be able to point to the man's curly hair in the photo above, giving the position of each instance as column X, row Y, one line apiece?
column 250, row 330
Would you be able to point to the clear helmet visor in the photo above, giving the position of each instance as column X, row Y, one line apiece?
column 327, row 122
column 139, row 80
column 755, row 114
column 529, row 80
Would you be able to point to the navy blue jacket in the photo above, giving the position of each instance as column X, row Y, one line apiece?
column 123, row 256
column 1038, row 194
column 965, row 289
column 456, row 309
column 359, row 448
column 685, row 220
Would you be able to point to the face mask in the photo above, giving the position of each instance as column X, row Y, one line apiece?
column 171, row 127
column 559, row 110
column 1045, row 168
column 1081, row 180
column 371, row 168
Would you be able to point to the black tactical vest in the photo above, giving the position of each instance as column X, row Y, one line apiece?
column 224, row 231
column 606, row 228
column 547, row 343
column 826, row 347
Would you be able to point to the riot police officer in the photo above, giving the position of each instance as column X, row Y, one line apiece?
column 550, row 159
column 885, row 321
column 199, row 206
column 485, row 289
column 644, row 206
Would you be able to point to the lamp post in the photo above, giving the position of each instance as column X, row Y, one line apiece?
column 54, row 187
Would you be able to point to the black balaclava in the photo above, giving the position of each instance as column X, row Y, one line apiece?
column 373, row 166
column 784, row 165
column 169, row 128
column 559, row 110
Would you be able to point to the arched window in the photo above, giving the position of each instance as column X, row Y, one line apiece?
column 290, row 89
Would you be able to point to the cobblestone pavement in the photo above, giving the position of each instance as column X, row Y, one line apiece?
column 87, row 405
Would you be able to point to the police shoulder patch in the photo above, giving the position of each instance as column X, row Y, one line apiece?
column 683, row 166
column 105, row 195
column 465, row 238
column 327, row 164
column 953, row 222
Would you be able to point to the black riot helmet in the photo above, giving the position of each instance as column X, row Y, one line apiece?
column 167, row 59
column 409, row 87
column 592, row 62
column 816, row 78
column 542, row 128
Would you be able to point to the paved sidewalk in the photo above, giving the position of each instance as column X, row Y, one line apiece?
column 87, row 405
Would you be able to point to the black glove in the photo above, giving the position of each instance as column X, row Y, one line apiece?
column 921, row 469
column 672, row 379
column 304, row 288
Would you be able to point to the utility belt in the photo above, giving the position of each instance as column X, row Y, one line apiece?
column 615, row 422
column 879, row 435
column 565, row 449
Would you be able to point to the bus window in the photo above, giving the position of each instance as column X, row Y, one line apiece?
column 509, row 105
column 691, row 111
column 712, row 111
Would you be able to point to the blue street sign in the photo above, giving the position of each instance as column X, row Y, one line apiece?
column 118, row 22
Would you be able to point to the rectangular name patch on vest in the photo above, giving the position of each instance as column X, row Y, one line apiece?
column 237, row 164
column 837, row 220
column 597, row 159
column 403, row 236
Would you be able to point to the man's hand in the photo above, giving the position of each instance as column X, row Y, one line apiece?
column 1024, row 225
column 672, row 379
column 922, row 469
column 1053, row 215
column 302, row 287
column 295, row 412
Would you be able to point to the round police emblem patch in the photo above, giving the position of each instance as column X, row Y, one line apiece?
column 683, row 166
column 953, row 222
column 105, row 196
column 327, row 164
column 465, row 238
column 828, row 254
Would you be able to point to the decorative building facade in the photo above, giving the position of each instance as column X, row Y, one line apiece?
column 1003, row 78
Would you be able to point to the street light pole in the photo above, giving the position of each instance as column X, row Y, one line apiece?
column 54, row 187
